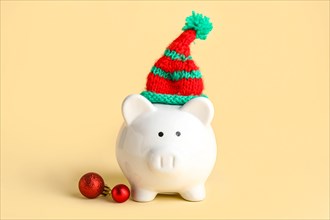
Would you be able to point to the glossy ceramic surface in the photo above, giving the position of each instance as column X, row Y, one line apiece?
column 166, row 148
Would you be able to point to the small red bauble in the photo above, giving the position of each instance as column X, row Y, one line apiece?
column 120, row 193
column 91, row 185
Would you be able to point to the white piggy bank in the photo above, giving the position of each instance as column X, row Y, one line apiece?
column 166, row 148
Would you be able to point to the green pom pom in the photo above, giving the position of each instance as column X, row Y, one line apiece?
column 200, row 23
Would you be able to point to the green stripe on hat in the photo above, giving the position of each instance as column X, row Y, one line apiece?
column 177, row 75
column 176, row 56
column 168, row 99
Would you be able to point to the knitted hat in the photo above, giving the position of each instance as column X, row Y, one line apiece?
column 175, row 79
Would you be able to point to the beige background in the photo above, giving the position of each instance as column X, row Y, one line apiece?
column 67, row 66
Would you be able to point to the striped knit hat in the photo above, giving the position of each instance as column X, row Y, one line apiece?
column 175, row 79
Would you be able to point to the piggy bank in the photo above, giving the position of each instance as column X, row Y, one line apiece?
column 166, row 148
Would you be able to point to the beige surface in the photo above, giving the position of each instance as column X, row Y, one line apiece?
column 67, row 66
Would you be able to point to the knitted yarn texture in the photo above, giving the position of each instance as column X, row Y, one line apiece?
column 175, row 78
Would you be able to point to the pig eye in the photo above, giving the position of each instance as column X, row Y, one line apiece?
column 178, row 133
column 160, row 134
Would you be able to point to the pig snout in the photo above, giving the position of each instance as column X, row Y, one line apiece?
column 162, row 161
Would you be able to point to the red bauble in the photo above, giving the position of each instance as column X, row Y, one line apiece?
column 120, row 193
column 91, row 185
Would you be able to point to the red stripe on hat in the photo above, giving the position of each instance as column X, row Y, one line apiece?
column 168, row 65
column 181, row 44
column 189, row 86
column 184, row 87
column 159, row 84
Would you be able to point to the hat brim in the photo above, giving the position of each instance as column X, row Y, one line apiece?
column 168, row 98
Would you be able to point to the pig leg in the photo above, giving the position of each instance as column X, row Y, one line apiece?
column 142, row 195
column 194, row 194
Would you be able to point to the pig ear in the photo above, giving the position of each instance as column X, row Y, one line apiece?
column 200, row 107
column 135, row 105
